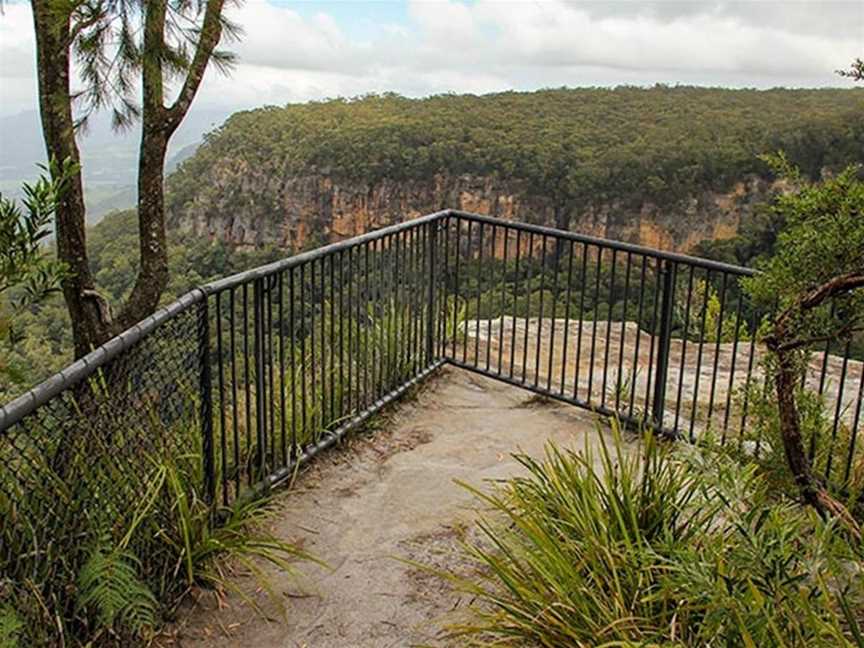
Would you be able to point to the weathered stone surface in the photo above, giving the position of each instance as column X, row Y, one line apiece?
column 555, row 355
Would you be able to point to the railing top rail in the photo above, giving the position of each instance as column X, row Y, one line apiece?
column 304, row 257
column 16, row 409
column 707, row 264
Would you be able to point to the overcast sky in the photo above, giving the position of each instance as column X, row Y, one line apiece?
column 295, row 51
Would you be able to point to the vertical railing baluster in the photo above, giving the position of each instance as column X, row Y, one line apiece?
column 639, row 314
column 260, row 387
column 539, row 345
column 556, row 258
column 583, row 278
column 247, row 382
column 478, row 273
column 430, row 322
column 282, row 406
column 591, row 364
column 682, row 368
column 718, row 341
column 292, row 326
column 618, row 380
column 515, row 304
column 505, row 234
column 568, row 294
column 855, row 423
column 206, row 405
column 223, row 442
column 694, row 414
column 609, row 303
column 731, row 386
column 528, row 263
column 667, row 276
column 235, row 419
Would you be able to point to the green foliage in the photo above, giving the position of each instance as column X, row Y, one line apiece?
column 109, row 584
column 28, row 275
column 702, row 320
column 835, row 455
column 11, row 627
column 822, row 239
column 855, row 71
column 123, row 530
column 43, row 343
column 572, row 147
column 653, row 545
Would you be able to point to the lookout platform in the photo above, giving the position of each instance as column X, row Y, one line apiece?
column 389, row 497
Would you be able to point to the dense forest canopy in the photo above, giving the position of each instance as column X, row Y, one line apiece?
column 588, row 145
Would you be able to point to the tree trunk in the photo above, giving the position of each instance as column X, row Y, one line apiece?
column 92, row 322
column 90, row 318
column 812, row 489
column 786, row 380
column 153, row 272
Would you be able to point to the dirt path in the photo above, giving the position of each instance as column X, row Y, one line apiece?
column 386, row 497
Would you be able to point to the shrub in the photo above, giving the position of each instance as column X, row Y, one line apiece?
column 644, row 544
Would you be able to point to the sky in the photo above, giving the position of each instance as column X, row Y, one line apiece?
column 296, row 51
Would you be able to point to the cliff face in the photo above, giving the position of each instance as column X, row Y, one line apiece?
column 252, row 207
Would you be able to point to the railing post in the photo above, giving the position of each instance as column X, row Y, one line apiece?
column 260, row 384
column 206, row 391
column 431, row 318
column 667, row 287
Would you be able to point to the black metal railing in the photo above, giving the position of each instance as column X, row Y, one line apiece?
column 655, row 338
column 256, row 373
column 307, row 348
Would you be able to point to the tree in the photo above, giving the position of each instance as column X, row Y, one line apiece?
column 815, row 279
column 855, row 71
column 119, row 46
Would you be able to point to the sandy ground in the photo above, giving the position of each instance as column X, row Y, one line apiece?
column 387, row 497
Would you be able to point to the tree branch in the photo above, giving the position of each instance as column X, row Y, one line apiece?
column 211, row 32
column 153, row 93
column 797, row 344
column 835, row 286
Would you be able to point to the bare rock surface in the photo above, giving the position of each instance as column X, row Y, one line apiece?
column 612, row 365
column 386, row 498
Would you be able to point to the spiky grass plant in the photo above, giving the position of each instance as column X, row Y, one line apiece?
column 641, row 544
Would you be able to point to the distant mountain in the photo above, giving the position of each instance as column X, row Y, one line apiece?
column 665, row 166
column 109, row 157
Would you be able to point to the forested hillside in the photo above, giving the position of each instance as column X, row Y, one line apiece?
column 679, row 163
column 664, row 166
column 41, row 339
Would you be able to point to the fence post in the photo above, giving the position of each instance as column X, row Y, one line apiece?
column 260, row 382
column 206, row 391
column 431, row 319
column 667, row 287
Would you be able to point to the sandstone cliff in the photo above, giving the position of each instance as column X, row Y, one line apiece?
column 251, row 207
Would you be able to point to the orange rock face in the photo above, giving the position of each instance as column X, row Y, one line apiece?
column 249, row 207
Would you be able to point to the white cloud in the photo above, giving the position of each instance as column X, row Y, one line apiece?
column 448, row 45
column 17, row 59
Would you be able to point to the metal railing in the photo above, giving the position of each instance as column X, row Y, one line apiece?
column 256, row 373
column 655, row 338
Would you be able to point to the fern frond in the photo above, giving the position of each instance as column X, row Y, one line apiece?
column 109, row 585
column 10, row 627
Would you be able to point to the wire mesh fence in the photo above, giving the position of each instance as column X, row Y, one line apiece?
column 72, row 469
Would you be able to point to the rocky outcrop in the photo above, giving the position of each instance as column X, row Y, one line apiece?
column 253, row 207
